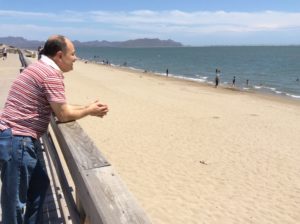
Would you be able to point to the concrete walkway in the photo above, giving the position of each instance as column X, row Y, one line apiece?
column 9, row 69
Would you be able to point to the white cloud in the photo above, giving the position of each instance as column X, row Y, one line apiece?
column 11, row 13
column 174, row 24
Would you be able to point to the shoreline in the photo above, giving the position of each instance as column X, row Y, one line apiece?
column 225, row 87
column 263, row 75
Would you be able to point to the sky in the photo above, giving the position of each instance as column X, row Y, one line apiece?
column 191, row 22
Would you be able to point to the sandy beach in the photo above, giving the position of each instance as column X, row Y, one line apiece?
column 192, row 153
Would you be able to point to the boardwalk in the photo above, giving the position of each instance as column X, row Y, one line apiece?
column 9, row 69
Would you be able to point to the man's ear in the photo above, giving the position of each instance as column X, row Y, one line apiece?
column 59, row 54
column 58, row 57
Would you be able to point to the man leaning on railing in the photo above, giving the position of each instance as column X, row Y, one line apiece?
column 36, row 93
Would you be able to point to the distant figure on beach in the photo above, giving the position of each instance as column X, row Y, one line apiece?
column 233, row 81
column 167, row 72
column 247, row 82
column 36, row 93
column 217, row 78
column 4, row 51
column 40, row 48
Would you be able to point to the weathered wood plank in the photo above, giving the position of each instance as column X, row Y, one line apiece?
column 103, row 196
column 111, row 198
column 83, row 148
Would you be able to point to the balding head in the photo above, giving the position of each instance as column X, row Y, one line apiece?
column 54, row 44
column 61, row 50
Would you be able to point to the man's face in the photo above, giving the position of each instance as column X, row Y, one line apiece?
column 68, row 58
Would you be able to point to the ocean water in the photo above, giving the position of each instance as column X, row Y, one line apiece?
column 270, row 69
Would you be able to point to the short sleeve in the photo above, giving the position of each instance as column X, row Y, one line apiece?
column 55, row 89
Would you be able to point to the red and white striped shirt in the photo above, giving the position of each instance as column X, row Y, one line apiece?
column 27, row 109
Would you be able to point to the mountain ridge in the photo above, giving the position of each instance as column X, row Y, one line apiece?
column 21, row 42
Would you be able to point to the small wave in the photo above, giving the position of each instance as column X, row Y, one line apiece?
column 270, row 88
column 201, row 76
column 293, row 96
column 135, row 69
column 200, row 79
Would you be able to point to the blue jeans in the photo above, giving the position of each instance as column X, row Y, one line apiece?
column 24, row 180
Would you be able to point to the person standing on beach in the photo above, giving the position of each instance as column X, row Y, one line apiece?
column 40, row 48
column 167, row 72
column 4, row 52
column 217, row 78
column 35, row 94
column 233, row 81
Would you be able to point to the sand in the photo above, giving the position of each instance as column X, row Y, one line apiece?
column 192, row 153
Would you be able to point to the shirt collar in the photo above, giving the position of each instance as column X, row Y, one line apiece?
column 49, row 62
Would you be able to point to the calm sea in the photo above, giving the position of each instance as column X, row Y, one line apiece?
column 272, row 69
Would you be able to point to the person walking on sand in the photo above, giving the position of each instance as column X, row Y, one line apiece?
column 37, row 92
column 167, row 72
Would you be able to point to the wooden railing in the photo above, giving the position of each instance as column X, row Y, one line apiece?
column 101, row 195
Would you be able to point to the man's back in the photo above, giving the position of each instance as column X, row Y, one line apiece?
column 27, row 110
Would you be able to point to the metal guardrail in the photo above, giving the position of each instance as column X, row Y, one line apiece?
column 101, row 195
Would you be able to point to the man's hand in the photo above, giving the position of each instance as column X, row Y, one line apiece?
column 98, row 109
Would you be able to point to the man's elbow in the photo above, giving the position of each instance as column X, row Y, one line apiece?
column 62, row 117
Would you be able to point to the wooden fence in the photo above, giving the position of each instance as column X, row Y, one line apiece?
column 101, row 197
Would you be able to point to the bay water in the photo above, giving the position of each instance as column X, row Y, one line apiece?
column 270, row 69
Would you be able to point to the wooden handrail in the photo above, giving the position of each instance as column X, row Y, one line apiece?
column 103, row 196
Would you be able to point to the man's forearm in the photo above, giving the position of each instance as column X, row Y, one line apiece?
column 77, row 107
column 66, row 112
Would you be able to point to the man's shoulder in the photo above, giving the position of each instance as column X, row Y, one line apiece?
column 44, row 69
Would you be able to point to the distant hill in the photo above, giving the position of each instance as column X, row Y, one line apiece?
column 21, row 42
column 145, row 42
